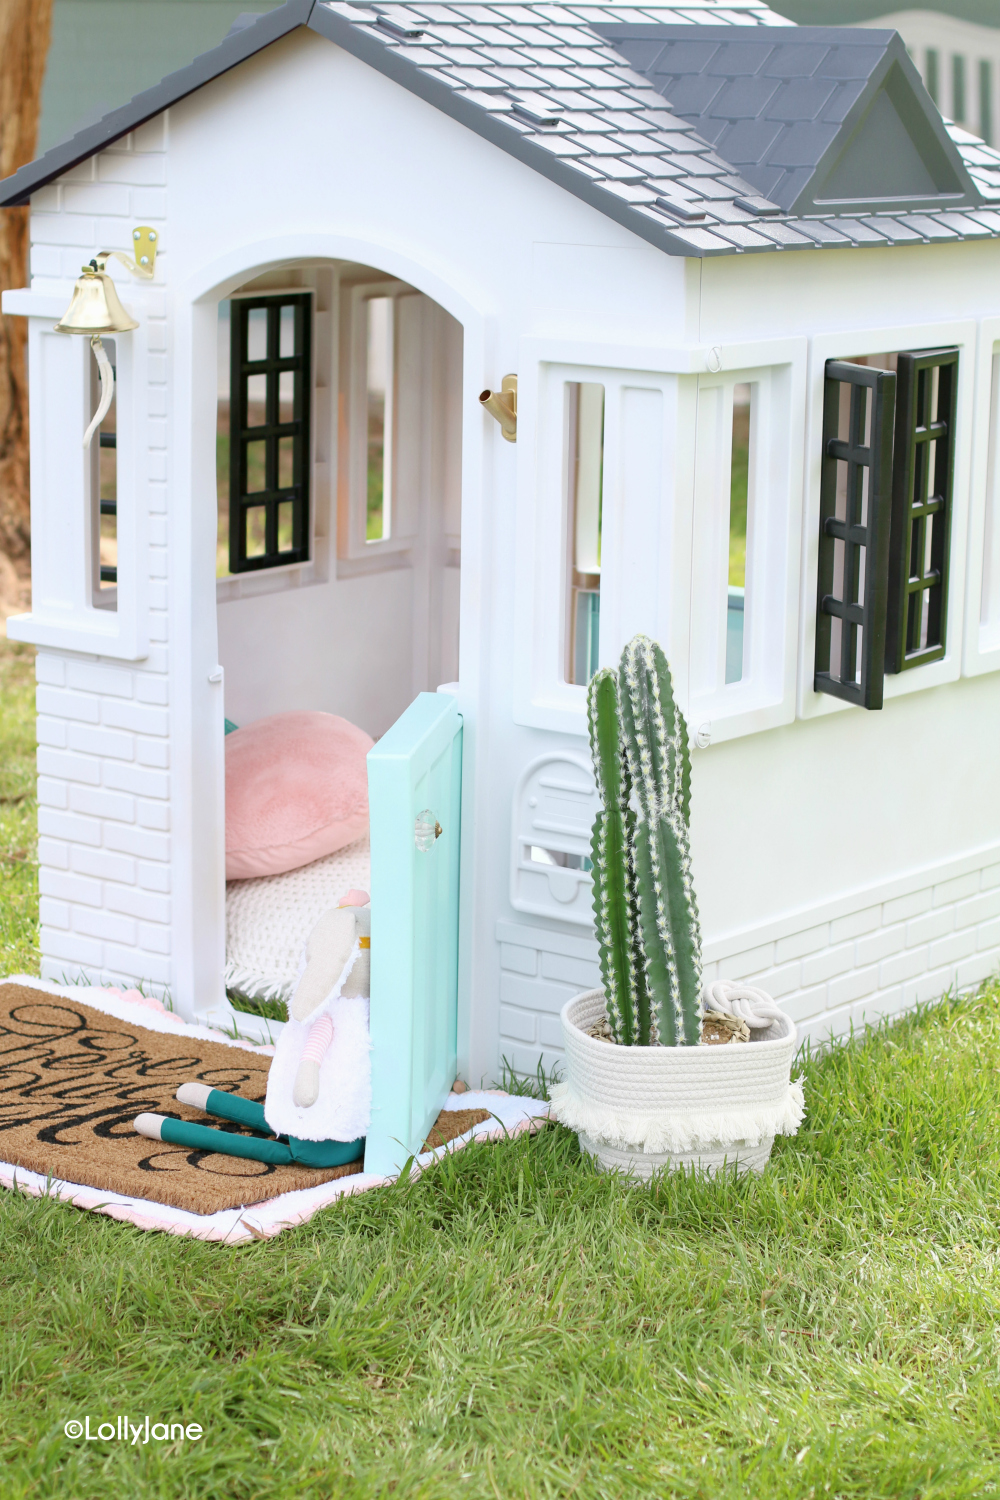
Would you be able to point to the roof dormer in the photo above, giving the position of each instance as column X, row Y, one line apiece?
column 819, row 119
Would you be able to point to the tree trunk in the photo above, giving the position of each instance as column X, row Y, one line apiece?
column 24, row 44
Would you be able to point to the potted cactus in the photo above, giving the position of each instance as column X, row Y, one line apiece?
column 647, row 1084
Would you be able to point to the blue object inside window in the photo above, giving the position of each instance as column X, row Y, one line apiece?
column 734, row 635
column 586, row 633
column 585, row 416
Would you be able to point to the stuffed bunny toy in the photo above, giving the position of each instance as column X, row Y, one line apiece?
column 318, row 1100
column 337, row 963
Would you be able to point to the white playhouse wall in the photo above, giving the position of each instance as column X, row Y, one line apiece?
column 849, row 859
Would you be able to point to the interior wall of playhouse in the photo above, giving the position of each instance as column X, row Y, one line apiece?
column 369, row 617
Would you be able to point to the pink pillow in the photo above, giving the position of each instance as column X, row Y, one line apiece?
column 296, row 789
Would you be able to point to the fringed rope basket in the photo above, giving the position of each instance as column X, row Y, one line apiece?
column 644, row 1108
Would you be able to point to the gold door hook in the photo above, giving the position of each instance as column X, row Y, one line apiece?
column 502, row 404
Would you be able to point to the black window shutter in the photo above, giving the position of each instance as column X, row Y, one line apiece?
column 277, row 481
column 854, row 534
column 923, row 476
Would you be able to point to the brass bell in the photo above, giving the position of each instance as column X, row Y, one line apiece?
column 95, row 308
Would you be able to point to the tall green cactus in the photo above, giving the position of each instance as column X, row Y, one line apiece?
column 616, row 906
column 647, row 917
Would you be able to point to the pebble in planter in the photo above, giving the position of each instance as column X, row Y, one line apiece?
column 649, row 1083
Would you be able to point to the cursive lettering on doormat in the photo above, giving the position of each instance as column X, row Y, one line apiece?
column 73, row 1079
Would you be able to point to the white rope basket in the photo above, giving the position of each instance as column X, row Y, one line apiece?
column 654, row 1106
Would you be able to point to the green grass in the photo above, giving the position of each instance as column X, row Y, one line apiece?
column 374, row 521
column 18, row 811
column 516, row 1325
column 270, row 1010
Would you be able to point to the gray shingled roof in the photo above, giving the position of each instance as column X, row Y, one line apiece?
column 545, row 83
column 808, row 114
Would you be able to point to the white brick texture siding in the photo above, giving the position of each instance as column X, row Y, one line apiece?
column 103, row 731
column 103, row 822
column 97, row 204
column 851, row 969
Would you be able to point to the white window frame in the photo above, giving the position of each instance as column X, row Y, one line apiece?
column 636, row 565
column 846, row 345
column 63, row 614
column 764, row 696
column 982, row 614
column 646, row 570
column 355, row 554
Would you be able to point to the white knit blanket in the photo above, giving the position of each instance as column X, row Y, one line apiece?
column 269, row 919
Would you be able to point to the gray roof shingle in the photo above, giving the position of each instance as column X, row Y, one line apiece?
column 706, row 179
column 815, row 117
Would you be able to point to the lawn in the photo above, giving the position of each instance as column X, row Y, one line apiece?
column 516, row 1325
column 18, row 817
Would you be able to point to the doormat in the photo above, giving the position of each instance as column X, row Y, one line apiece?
column 74, row 1074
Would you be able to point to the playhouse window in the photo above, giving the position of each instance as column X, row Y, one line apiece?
column 740, row 606
column 386, row 395
column 885, row 517
column 585, row 485
column 104, row 492
column 263, row 436
column 739, row 499
column 989, row 616
column 380, row 388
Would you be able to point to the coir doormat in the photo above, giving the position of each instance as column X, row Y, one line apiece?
column 73, row 1078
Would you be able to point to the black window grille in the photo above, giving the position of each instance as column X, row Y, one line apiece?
column 923, row 475
column 269, row 431
column 855, row 506
column 108, row 572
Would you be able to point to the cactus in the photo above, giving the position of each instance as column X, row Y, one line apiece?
column 615, row 897
column 646, row 914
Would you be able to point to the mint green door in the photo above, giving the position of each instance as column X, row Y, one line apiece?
column 414, row 794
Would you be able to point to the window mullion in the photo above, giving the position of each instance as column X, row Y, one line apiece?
column 855, row 673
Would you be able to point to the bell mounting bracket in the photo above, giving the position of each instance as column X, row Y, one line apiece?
column 145, row 241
